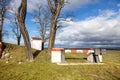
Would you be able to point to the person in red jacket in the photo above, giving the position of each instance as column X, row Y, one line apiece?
column 0, row 49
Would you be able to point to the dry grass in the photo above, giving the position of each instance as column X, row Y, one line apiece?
column 43, row 69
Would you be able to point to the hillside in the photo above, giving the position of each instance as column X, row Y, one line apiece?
column 43, row 69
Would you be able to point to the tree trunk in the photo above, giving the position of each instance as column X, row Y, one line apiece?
column 1, row 23
column 1, row 26
column 42, row 45
column 52, row 35
column 0, row 33
column 26, row 41
column 55, row 7
column 43, row 35
column 18, row 40
column 21, row 15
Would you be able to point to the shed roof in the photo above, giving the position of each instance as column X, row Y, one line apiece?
column 35, row 38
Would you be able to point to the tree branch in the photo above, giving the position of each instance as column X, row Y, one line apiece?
column 51, row 6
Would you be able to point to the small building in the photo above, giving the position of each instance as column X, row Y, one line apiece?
column 36, row 43
column 57, row 55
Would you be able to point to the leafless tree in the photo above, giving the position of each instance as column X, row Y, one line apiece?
column 3, row 4
column 42, row 17
column 16, row 29
column 21, row 15
column 55, row 7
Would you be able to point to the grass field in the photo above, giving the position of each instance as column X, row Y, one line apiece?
column 43, row 69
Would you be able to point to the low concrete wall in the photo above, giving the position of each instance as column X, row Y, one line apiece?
column 79, row 51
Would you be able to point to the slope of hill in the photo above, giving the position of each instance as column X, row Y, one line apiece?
column 43, row 69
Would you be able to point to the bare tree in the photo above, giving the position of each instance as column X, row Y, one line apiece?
column 21, row 15
column 3, row 4
column 55, row 7
column 16, row 29
column 42, row 17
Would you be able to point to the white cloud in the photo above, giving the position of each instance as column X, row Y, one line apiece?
column 107, row 13
column 100, row 30
column 72, row 4
column 118, row 5
column 15, row 4
column 33, row 4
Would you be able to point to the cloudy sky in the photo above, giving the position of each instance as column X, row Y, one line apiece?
column 96, row 23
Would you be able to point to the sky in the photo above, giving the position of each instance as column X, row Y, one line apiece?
column 96, row 23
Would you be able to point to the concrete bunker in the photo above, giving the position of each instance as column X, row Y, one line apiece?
column 93, row 55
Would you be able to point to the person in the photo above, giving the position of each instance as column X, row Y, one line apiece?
column 0, row 49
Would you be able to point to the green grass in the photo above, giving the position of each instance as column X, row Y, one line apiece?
column 77, row 58
column 43, row 69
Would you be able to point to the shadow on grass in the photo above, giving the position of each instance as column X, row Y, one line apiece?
column 118, row 78
column 85, row 58
column 35, row 54
column 76, row 58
